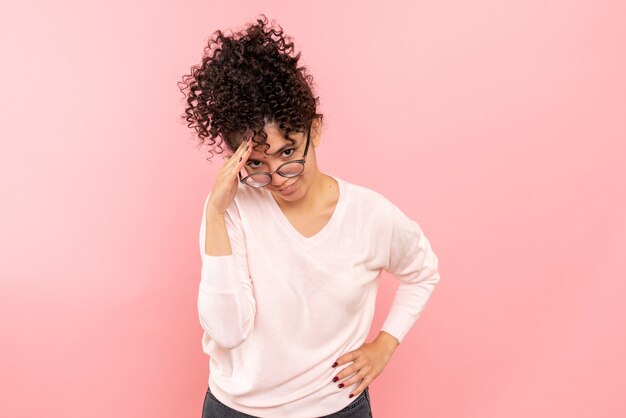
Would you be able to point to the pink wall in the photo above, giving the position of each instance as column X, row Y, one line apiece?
column 508, row 116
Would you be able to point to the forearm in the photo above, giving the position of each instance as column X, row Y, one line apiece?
column 228, row 318
column 217, row 241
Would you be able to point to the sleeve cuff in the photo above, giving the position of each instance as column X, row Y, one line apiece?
column 398, row 323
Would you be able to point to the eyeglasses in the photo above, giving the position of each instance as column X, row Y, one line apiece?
column 288, row 169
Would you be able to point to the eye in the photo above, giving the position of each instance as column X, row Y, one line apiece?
column 251, row 163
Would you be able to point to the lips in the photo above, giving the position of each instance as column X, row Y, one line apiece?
column 288, row 187
column 282, row 190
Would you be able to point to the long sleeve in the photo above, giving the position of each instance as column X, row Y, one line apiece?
column 226, row 304
column 413, row 262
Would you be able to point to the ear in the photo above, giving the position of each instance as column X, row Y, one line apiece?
column 316, row 132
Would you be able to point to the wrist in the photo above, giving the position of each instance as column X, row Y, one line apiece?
column 211, row 214
column 388, row 341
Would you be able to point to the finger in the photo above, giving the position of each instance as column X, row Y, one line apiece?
column 357, row 391
column 234, row 158
column 363, row 371
column 346, row 358
column 242, row 159
column 345, row 373
column 240, row 150
column 355, row 374
column 351, row 381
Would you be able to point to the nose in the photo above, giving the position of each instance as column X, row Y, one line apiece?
column 277, row 179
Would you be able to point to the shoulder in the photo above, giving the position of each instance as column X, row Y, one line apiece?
column 368, row 198
column 378, row 209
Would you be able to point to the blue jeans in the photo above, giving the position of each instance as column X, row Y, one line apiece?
column 359, row 408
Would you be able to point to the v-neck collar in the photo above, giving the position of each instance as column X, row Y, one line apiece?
column 294, row 233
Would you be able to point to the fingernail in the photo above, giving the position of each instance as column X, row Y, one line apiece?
column 351, row 395
column 340, row 385
column 239, row 159
column 335, row 364
column 335, row 379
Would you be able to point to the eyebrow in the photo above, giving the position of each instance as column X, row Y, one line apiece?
column 284, row 147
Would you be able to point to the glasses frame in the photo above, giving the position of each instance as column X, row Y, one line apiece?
column 302, row 160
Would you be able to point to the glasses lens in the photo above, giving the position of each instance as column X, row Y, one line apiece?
column 291, row 169
column 258, row 180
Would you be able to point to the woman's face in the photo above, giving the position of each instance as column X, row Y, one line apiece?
column 279, row 152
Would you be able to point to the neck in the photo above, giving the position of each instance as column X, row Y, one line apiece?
column 312, row 197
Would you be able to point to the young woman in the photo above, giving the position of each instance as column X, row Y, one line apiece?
column 291, row 256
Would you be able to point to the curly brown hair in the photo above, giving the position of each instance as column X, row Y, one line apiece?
column 246, row 80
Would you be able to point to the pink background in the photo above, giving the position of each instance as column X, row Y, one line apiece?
column 498, row 125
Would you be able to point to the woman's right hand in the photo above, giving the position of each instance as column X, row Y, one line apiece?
column 225, row 186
